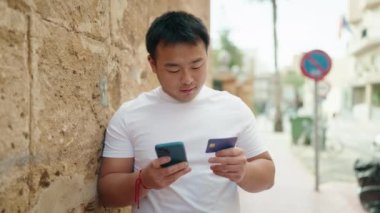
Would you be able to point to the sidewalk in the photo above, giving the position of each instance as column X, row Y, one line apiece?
column 294, row 186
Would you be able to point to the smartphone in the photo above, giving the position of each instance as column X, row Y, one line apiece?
column 175, row 150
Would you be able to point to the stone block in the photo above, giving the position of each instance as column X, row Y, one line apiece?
column 65, row 67
column 89, row 17
column 67, row 194
column 68, row 118
column 199, row 8
column 23, row 6
column 14, row 110
column 135, row 73
column 129, row 22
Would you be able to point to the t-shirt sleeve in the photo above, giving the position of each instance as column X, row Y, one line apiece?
column 117, row 143
column 249, row 139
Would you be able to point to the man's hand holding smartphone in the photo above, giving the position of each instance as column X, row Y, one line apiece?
column 170, row 165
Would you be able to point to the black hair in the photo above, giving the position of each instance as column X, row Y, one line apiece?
column 175, row 27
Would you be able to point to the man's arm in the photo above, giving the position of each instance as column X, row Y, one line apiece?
column 116, row 183
column 259, row 173
column 253, row 175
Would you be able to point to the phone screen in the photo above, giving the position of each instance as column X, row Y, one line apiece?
column 175, row 150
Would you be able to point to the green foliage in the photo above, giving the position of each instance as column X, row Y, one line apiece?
column 235, row 53
column 215, row 54
column 293, row 78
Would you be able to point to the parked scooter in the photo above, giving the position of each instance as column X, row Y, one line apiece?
column 367, row 172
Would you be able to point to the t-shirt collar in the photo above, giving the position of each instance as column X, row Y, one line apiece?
column 165, row 96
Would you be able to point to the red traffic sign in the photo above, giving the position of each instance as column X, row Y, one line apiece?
column 316, row 64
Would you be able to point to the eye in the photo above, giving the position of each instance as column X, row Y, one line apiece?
column 196, row 68
column 197, row 65
column 172, row 69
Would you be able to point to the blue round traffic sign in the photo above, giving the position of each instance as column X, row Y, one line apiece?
column 316, row 64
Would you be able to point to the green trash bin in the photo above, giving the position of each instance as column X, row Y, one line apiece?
column 301, row 128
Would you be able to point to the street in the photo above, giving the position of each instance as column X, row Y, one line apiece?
column 346, row 141
column 294, row 189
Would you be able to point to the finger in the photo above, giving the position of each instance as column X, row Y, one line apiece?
column 222, row 160
column 175, row 168
column 172, row 178
column 227, row 168
column 181, row 173
column 159, row 161
column 218, row 160
column 228, row 160
column 235, row 151
column 218, row 171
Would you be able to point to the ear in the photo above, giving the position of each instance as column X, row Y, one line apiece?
column 152, row 63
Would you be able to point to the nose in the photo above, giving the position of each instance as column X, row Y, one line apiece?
column 186, row 77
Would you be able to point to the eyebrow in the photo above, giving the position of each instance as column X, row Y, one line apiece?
column 197, row 60
column 171, row 65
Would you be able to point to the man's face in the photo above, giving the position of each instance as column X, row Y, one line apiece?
column 181, row 69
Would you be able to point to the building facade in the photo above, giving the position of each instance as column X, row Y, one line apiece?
column 364, row 47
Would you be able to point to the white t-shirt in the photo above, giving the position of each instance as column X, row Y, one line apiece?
column 155, row 117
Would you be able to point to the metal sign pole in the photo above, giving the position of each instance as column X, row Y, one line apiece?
column 316, row 138
column 316, row 64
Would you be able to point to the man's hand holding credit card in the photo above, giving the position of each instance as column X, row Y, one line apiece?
column 229, row 163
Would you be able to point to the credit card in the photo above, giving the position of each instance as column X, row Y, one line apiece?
column 217, row 144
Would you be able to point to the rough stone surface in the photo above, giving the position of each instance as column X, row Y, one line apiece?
column 68, row 121
column 90, row 17
column 65, row 67
column 14, row 110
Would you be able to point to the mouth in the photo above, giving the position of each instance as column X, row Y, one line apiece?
column 187, row 91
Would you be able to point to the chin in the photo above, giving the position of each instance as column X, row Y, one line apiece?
column 186, row 98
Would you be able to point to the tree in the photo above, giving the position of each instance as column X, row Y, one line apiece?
column 278, row 126
column 234, row 53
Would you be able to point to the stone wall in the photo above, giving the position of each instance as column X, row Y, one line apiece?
column 65, row 67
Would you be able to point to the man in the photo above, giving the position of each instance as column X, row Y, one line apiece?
column 182, row 109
